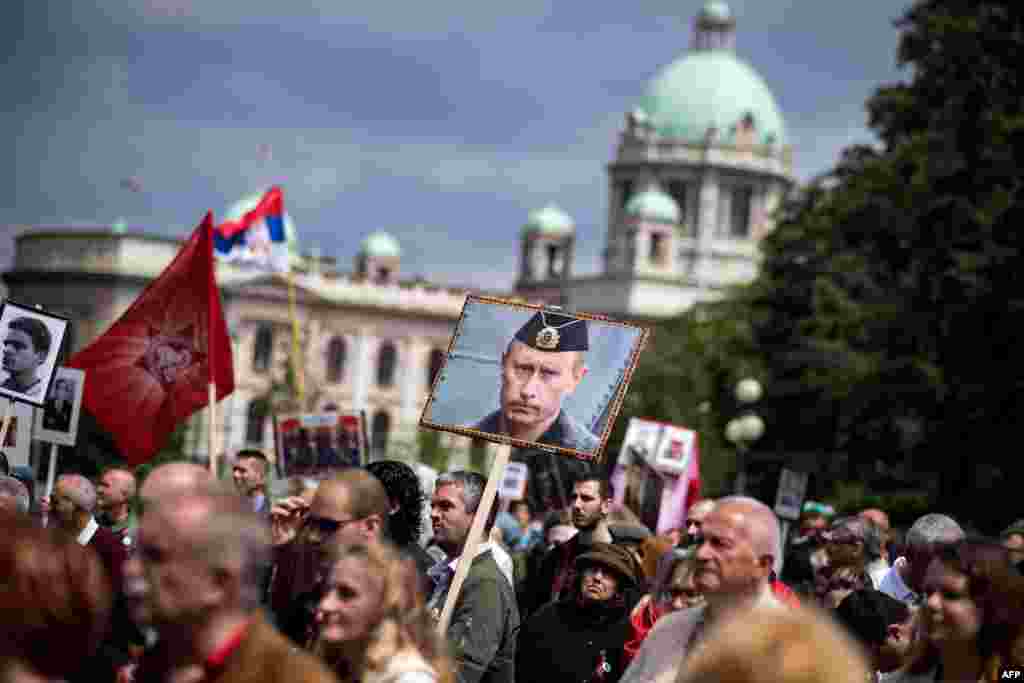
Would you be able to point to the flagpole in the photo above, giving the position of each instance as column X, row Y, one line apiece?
column 212, row 355
column 296, row 358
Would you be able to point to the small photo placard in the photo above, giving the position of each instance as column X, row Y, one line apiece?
column 32, row 341
column 316, row 444
column 57, row 420
column 17, row 443
column 534, row 377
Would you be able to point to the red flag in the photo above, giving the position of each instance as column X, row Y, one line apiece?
column 153, row 367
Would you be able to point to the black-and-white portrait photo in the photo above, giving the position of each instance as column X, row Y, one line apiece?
column 32, row 339
column 57, row 421
column 534, row 377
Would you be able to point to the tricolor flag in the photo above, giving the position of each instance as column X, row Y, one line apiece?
column 257, row 238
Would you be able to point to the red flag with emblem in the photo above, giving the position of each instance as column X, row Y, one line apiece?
column 152, row 369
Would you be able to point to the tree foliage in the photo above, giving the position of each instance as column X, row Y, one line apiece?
column 891, row 302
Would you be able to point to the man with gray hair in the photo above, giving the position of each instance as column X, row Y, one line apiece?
column 857, row 542
column 14, row 498
column 904, row 580
column 72, row 505
column 735, row 553
column 203, row 555
column 483, row 626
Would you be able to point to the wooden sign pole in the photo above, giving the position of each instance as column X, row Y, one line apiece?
column 6, row 422
column 483, row 511
column 51, row 475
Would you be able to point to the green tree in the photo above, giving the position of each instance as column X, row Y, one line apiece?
column 686, row 376
column 891, row 301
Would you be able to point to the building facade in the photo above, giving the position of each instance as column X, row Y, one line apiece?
column 700, row 165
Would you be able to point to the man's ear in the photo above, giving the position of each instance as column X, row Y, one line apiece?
column 766, row 563
column 373, row 524
column 894, row 632
column 606, row 507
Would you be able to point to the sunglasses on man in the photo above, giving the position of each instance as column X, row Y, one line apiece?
column 326, row 526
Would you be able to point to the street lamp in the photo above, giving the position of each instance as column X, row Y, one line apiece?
column 744, row 429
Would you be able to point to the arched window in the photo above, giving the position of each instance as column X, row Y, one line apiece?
column 739, row 224
column 335, row 360
column 386, row 364
column 380, row 427
column 255, row 418
column 263, row 348
column 436, row 361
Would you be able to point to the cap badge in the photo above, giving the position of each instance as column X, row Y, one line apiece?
column 547, row 339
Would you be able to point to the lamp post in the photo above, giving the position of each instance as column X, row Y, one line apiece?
column 744, row 429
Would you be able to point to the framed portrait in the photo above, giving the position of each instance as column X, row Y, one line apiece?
column 32, row 341
column 315, row 445
column 16, row 445
column 57, row 420
column 534, row 377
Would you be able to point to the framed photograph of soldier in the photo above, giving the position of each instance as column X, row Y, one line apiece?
column 315, row 445
column 32, row 341
column 57, row 420
column 534, row 377
column 17, row 437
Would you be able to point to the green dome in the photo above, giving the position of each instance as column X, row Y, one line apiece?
column 380, row 244
column 549, row 221
column 716, row 11
column 654, row 205
column 250, row 202
column 711, row 88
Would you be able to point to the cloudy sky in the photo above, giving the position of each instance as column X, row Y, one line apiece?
column 443, row 123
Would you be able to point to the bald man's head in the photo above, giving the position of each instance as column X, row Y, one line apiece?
column 738, row 546
column 173, row 480
column 759, row 520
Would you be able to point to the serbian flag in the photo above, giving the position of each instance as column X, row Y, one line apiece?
column 152, row 369
column 257, row 238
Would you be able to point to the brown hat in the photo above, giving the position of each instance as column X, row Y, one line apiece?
column 614, row 557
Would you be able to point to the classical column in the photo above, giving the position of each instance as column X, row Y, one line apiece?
column 362, row 373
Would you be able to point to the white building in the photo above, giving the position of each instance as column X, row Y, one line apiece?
column 700, row 164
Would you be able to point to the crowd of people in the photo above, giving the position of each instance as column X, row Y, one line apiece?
column 181, row 578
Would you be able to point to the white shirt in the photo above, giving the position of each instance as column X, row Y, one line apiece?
column 877, row 571
column 86, row 534
column 892, row 584
column 665, row 646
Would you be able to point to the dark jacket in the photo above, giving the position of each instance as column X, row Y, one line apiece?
column 565, row 642
column 484, row 623
column 565, row 432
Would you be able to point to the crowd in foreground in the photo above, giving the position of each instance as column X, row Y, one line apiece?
column 186, row 580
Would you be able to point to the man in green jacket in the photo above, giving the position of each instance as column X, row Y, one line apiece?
column 483, row 626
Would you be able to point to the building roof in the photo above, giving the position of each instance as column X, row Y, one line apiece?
column 716, row 11
column 653, row 204
column 549, row 220
column 381, row 245
column 711, row 87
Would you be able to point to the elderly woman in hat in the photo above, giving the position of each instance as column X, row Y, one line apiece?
column 581, row 637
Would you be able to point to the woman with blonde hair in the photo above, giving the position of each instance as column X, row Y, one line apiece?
column 371, row 624
column 797, row 645
column 972, row 617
